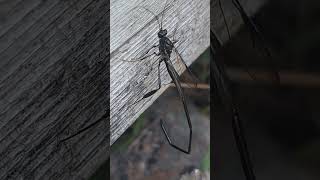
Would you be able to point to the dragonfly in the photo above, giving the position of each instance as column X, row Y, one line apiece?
column 221, row 83
column 165, row 49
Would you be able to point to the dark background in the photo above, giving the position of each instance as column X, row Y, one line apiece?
column 281, row 121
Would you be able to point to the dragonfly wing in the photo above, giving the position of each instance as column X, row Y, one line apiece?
column 189, row 77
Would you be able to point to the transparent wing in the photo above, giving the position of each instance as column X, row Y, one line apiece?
column 188, row 77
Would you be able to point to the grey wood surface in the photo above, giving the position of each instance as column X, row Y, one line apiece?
column 53, row 74
column 133, row 31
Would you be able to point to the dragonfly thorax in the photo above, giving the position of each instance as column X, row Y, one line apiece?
column 162, row 33
column 165, row 47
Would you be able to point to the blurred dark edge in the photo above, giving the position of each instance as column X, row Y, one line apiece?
column 282, row 122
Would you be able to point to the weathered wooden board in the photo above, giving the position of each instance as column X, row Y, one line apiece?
column 133, row 31
column 53, row 81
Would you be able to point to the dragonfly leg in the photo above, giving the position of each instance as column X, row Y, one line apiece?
column 175, row 77
column 150, row 93
column 145, row 55
column 163, row 127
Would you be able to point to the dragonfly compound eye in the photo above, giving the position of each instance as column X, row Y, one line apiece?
column 162, row 33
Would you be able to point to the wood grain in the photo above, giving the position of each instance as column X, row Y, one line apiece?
column 135, row 30
column 53, row 81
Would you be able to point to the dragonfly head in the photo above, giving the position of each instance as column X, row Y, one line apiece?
column 162, row 33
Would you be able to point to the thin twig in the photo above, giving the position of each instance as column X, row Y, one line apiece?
column 191, row 86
